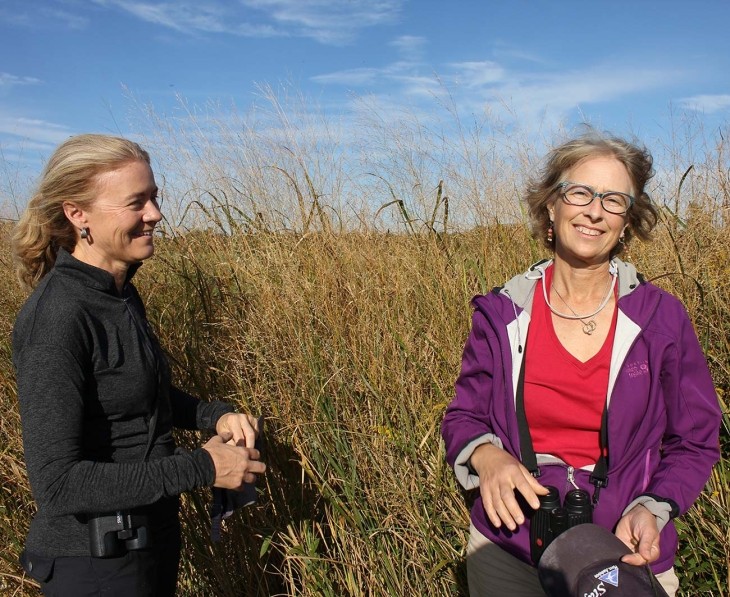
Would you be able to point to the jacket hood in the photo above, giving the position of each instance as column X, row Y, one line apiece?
column 520, row 289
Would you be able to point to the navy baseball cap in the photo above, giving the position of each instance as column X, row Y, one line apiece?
column 586, row 561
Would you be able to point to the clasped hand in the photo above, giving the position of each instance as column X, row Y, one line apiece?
column 235, row 459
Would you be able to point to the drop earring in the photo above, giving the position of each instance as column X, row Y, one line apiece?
column 624, row 247
column 84, row 233
column 550, row 233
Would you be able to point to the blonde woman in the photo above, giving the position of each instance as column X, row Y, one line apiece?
column 96, row 401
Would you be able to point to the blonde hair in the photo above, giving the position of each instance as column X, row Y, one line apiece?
column 642, row 215
column 70, row 175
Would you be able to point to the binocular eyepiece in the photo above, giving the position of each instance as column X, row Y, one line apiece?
column 552, row 518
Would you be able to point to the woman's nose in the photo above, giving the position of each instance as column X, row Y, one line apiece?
column 152, row 213
column 595, row 207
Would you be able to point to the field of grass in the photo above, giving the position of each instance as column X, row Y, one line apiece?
column 348, row 339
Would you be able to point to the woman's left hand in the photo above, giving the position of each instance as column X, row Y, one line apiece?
column 244, row 428
column 638, row 530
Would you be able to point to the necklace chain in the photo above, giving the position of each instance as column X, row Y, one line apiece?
column 588, row 326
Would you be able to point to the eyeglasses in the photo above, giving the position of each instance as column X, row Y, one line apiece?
column 613, row 202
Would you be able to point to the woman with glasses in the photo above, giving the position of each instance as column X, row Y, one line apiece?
column 579, row 375
column 96, row 401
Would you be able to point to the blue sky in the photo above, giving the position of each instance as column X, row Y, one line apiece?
column 71, row 66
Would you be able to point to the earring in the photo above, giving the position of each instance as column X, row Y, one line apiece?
column 550, row 233
column 84, row 232
column 624, row 247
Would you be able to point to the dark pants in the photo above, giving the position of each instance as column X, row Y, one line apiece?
column 138, row 574
column 149, row 572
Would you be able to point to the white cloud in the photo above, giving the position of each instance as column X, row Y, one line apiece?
column 405, row 79
column 192, row 18
column 552, row 97
column 707, row 104
column 356, row 77
column 419, row 85
column 31, row 16
column 327, row 21
column 70, row 20
column 511, row 53
column 478, row 87
column 410, row 46
column 7, row 80
column 39, row 131
column 476, row 74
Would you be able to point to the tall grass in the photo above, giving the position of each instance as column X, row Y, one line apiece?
column 344, row 325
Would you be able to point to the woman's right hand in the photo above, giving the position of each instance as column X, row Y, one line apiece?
column 234, row 465
column 500, row 474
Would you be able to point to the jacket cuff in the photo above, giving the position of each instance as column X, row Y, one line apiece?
column 662, row 509
column 210, row 412
column 465, row 474
column 204, row 464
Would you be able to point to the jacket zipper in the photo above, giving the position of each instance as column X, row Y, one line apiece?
column 571, row 477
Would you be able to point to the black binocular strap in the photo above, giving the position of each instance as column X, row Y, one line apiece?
column 527, row 452
column 599, row 476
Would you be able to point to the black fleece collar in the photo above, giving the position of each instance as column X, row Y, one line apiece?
column 89, row 275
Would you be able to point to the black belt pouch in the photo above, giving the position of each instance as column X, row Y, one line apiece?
column 39, row 568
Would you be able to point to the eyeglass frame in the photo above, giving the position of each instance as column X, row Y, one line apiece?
column 564, row 184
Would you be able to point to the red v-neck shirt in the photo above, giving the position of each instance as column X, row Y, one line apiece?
column 564, row 397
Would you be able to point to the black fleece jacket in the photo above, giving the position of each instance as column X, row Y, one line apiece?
column 90, row 371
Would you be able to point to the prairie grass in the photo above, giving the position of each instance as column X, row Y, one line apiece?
column 346, row 332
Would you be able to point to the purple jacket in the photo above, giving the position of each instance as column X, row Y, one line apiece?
column 663, row 412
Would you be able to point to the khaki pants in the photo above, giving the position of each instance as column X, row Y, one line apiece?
column 492, row 572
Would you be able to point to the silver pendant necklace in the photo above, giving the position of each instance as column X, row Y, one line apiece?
column 588, row 326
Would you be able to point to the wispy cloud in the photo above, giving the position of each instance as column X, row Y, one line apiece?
column 355, row 77
column 511, row 53
column 327, row 21
column 68, row 19
column 708, row 104
column 409, row 75
column 487, row 86
column 32, row 16
column 7, row 81
column 477, row 74
column 39, row 131
column 403, row 78
column 549, row 98
column 193, row 18
column 409, row 46
column 595, row 84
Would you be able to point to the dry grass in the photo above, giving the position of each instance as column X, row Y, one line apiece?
column 348, row 338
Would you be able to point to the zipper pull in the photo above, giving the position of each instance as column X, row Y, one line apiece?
column 571, row 477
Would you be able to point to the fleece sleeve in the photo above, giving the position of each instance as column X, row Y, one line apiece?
column 690, row 446
column 50, row 391
column 188, row 412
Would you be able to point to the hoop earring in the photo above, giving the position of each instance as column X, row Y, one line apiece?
column 84, row 233
column 550, row 233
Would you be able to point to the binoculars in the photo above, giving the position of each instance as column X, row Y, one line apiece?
column 552, row 518
column 113, row 535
